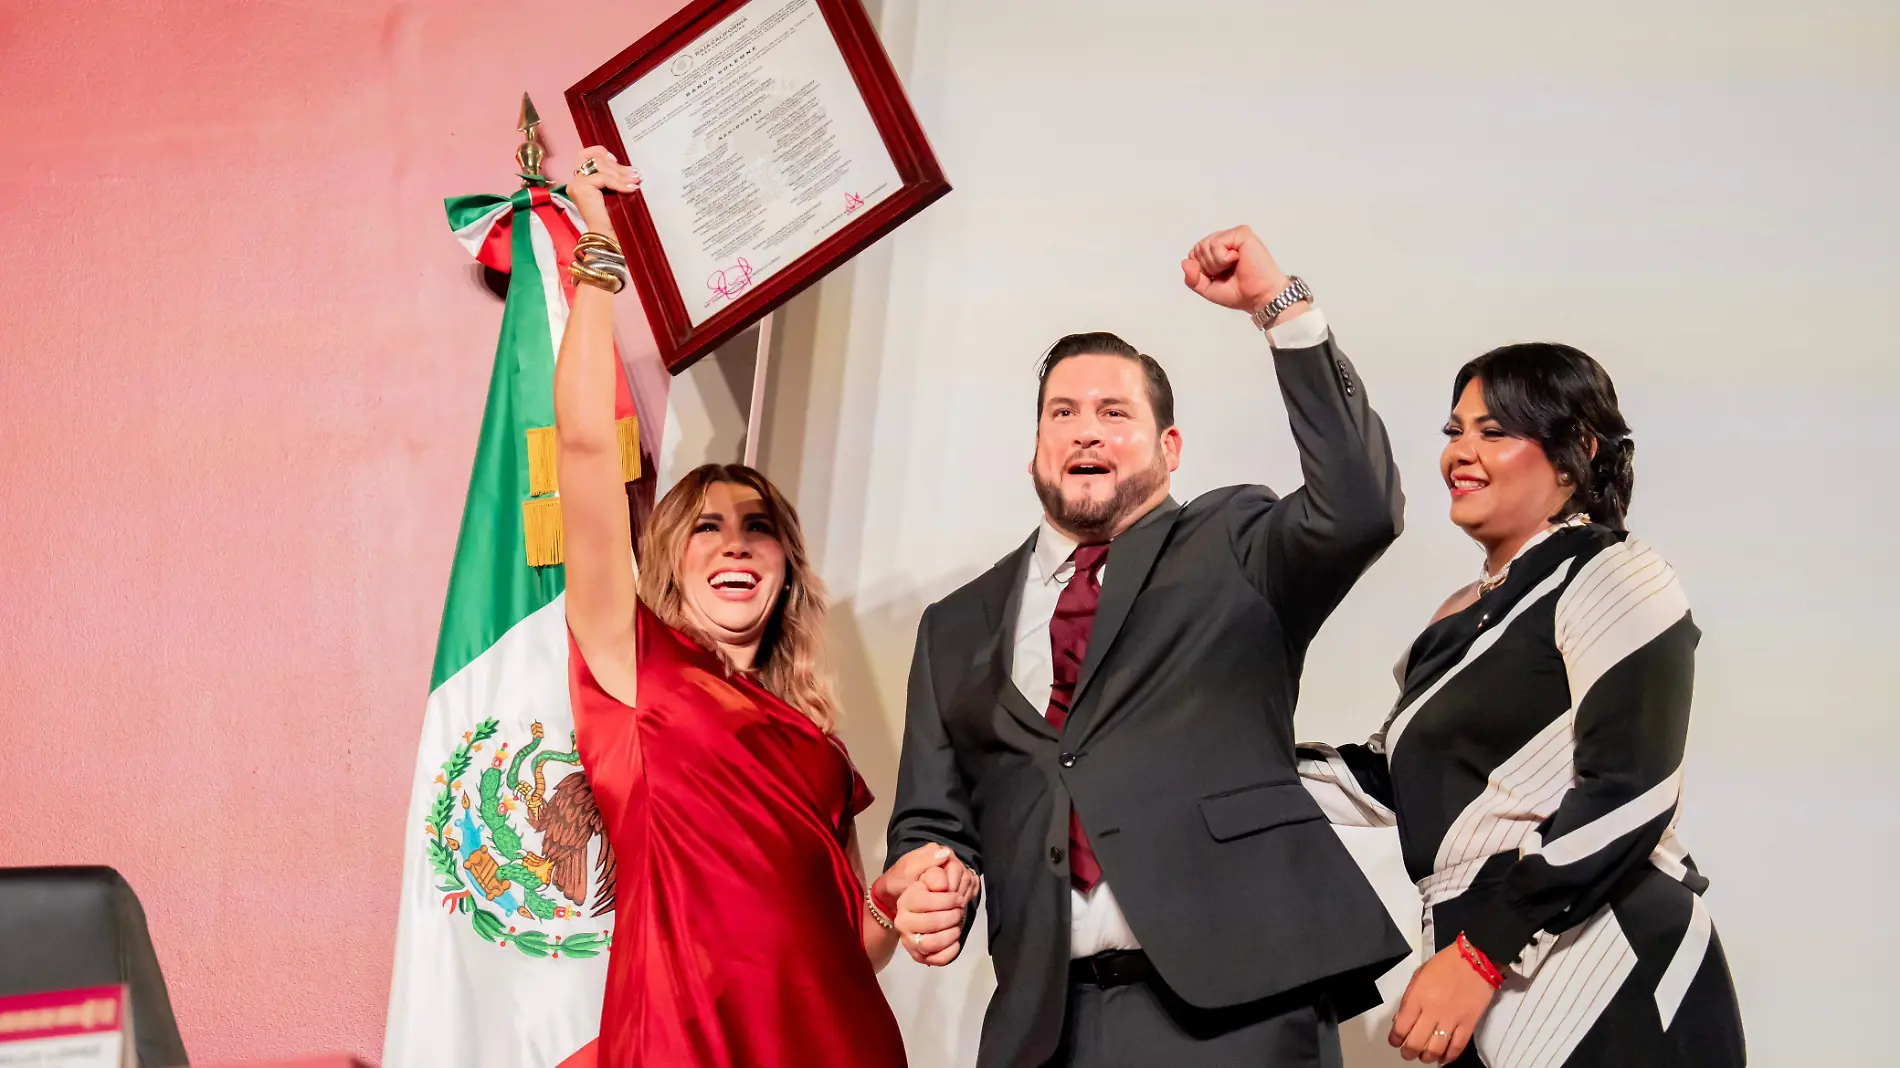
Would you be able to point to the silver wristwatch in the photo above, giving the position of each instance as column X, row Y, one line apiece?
column 1296, row 290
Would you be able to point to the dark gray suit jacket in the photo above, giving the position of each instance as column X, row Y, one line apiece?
column 1179, row 751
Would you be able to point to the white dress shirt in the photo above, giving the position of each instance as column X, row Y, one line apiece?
column 1096, row 923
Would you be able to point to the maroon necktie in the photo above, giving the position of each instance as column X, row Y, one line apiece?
column 1069, row 644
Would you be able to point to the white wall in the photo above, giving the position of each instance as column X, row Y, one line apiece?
column 1702, row 197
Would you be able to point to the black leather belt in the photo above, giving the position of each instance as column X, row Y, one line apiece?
column 1117, row 967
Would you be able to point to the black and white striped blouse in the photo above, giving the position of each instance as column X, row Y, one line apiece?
column 1533, row 767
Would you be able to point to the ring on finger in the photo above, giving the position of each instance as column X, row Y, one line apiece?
column 588, row 166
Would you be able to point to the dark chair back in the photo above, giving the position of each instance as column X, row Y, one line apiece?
column 64, row 928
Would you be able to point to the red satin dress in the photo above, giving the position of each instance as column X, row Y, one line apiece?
column 737, row 942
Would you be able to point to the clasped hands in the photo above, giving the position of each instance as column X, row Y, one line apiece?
column 931, row 887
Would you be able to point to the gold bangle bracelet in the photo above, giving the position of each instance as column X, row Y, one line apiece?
column 579, row 268
column 612, row 283
column 591, row 239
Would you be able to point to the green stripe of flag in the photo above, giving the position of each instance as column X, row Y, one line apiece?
column 491, row 587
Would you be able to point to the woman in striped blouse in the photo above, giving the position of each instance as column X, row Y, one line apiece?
column 1533, row 762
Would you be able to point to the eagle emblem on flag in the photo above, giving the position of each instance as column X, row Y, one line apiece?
column 520, row 848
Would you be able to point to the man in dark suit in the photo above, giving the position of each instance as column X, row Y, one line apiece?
column 1102, row 724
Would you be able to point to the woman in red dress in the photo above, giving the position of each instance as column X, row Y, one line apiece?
column 744, row 936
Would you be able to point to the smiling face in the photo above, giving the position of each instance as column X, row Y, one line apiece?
column 1503, row 488
column 732, row 569
column 1101, row 461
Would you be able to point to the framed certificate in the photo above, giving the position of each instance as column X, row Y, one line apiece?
column 773, row 144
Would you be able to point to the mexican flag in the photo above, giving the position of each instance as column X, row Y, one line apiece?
column 508, row 886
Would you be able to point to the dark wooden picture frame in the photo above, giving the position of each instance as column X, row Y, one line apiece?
column 681, row 343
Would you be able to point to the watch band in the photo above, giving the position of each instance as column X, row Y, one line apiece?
column 1296, row 290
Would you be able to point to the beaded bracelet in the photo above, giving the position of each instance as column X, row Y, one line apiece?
column 1479, row 962
column 870, row 903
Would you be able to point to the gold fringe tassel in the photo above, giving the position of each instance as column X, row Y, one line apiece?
column 543, row 450
column 541, row 525
column 541, row 517
column 629, row 432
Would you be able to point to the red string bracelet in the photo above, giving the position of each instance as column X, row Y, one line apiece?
column 1479, row 962
column 886, row 905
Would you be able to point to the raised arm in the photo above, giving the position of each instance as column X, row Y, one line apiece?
column 1305, row 551
column 599, row 551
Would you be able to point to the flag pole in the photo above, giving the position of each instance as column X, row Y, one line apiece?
column 755, row 415
column 529, row 155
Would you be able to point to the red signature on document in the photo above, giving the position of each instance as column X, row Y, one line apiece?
column 852, row 202
column 729, row 280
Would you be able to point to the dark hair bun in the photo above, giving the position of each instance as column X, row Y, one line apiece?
column 1612, row 480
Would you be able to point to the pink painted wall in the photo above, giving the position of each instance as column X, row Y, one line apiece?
column 244, row 364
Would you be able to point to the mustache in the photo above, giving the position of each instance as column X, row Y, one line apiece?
column 1082, row 456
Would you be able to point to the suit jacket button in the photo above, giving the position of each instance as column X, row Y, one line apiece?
column 1068, row 760
column 1055, row 854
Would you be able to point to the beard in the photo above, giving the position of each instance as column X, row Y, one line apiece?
column 1093, row 520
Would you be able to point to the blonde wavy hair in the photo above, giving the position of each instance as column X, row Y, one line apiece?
column 790, row 661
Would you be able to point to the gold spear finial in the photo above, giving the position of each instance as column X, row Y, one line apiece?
column 528, row 157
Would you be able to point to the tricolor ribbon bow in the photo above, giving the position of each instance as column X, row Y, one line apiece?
column 539, row 226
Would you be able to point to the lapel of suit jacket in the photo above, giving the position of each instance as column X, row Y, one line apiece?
column 1002, row 599
column 1130, row 558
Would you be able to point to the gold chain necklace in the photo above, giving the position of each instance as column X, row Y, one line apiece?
column 1488, row 582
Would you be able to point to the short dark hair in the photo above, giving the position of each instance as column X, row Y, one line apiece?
column 1562, row 399
column 1103, row 343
